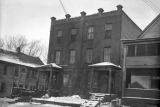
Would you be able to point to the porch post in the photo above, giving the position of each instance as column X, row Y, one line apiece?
column 38, row 71
column 110, row 81
column 91, row 80
column 50, row 81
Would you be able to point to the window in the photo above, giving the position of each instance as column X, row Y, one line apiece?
column 57, row 57
column 90, row 32
column 16, row 71
column 145, row 82
column 141, row 50
column 59, row 33
column 89, row 55
column 152, row 49
column 73, row 34
column 108, row 30
column 20, row 85
column 66, row 79
column 33, row 74
column 131, row 50
column 107, row 53
column 72, row 56
column 5, row 70
column 143, row 78
column 23, row 70
column 2, row 87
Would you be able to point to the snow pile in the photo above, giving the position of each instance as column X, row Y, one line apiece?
column 90, row 104
column 75, row 99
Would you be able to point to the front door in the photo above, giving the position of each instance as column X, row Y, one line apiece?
column 103, row 82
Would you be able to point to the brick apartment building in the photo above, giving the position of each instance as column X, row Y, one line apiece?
column 141, row 68
column 78, row 42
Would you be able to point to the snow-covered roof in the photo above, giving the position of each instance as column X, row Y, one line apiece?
column 52, row 65
column 103, row 64
column 19, row 58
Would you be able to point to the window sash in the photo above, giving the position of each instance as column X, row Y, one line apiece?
column 57, row 57
column 72, row 56
column 91, row 32
column 59, row 33
column 107, row 53
column 108, row 26
column 89, row 55
column 74, row 32
column 131, row 50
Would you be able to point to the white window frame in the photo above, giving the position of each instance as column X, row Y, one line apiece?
column 91, row 32
column 72, row 56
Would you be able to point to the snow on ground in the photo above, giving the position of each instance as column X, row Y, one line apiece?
column 69, row 99
column 32, row 105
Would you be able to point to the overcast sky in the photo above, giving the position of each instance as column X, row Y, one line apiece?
column 31, row 18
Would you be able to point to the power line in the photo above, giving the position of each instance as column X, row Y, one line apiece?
column 63, row 7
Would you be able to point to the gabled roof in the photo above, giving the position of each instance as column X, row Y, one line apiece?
column 19, row 58
column 149, row 26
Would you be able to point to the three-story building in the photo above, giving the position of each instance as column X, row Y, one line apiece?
column 77, row 42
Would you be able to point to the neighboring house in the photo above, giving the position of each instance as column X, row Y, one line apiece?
column 141, row 68
column 18, row 70
column 77, row 42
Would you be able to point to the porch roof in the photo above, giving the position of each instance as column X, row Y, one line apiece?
column 50, row 65
column 105, row 64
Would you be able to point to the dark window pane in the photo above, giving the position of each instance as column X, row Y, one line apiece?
column 131, row 50
column 141, row 50
column 5, row 70
column 2, row 87
column 152, row 49
column 108, row 34
column 16, row 72
column 158, row 50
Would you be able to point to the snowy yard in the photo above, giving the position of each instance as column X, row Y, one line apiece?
column 29, row 105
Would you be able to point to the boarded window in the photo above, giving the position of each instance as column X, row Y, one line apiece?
column 72, row 56
column 90, row 32
column 108, row 30
column 57, row 57
column 107, row 53
column 89, row 55
column 131, row 50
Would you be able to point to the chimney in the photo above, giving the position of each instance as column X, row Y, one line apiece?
column 83, row 13
column 53, row 18
column 68, row 16
column 18, row 50
column 119, row 7
column 100, row 11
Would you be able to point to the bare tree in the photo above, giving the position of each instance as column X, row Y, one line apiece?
column 13, row 42
column 1, row 43
column 34, row 48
